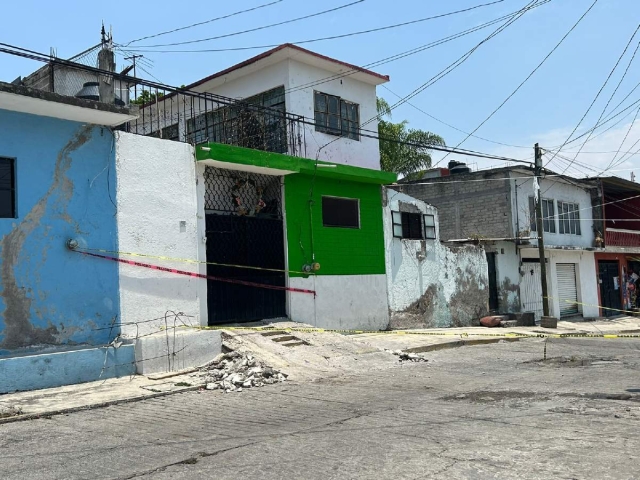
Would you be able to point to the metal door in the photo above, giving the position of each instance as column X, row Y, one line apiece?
column 609, row 279
column 530, row 288
column 567, row 290
column 237, row 241
column 493, row 283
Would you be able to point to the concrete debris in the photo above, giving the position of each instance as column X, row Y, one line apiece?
column 235, row 371
column 408, row 357
column 9, row 411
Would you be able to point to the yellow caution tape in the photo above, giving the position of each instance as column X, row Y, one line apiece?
column 627, row 312
column 189, row 260
column 423, row 333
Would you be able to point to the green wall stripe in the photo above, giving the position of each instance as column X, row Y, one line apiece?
column 259, row 158
column 340, row 251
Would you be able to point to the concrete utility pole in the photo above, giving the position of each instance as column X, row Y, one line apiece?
column 540, row 228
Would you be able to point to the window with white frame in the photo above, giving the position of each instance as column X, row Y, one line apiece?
column 413, row 226
column 569, row 218
column 548, row 215
column 336, row 116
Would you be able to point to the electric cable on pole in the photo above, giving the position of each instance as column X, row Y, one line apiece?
column 540, row 227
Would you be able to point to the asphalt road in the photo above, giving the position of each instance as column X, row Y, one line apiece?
column 492, row 411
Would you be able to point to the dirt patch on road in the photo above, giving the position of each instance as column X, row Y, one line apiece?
column 576, row 361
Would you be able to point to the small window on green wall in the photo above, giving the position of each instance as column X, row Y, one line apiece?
column 340, row 212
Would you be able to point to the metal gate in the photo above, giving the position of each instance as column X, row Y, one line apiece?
column 245, row 243
column 530, row 288
column 567, row 290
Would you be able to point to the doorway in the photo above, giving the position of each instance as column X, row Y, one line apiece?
column 531, row 289
column 245, row 246
column 609, row 280
column 493, row 282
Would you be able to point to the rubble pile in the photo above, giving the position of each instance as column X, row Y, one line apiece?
column 408, row 357
column 234, row 371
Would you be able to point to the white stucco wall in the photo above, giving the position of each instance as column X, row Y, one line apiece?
column 159, row 213
column 342, row 302
column 586, row 278
column 293, row 75
column 429, row 283
column 507, row 275
column 557, row 190
column 300, row 101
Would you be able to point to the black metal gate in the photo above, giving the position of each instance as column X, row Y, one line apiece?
column 244, row 229
column 609, row 278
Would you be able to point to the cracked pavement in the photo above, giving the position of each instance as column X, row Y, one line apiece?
column 491, row 411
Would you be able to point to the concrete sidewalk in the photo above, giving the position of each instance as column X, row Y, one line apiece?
column 306, row 356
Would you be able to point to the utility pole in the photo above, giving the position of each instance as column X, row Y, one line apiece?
column 540, row 228
column 133, row 59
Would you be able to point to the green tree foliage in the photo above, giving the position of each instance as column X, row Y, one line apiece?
column 145, row 97
column 403, row 150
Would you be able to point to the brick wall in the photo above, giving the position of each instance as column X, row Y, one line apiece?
column 468, row 208
column 40, row 79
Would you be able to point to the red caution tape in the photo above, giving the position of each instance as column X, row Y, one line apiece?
column 197, row 275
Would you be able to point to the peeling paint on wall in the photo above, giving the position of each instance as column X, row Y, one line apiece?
column 429, row 284
column 48, row 295
column 19, row 331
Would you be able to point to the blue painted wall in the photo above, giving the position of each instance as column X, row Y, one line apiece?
column 65, row 180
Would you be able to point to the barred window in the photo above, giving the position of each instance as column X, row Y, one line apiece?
column 336, row 116
column 413, row 226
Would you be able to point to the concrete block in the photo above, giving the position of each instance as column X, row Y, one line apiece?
column 176, row 349
column 549, row 322
column 55, row 368
column 526, row 319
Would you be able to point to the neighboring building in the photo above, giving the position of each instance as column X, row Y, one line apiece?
column 430, row 284
column 616, row 213
column 57, row 183
column 495, row 207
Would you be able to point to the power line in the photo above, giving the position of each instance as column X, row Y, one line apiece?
column 451, row 126
column 263, row 27
column 445, row 72
column 612, row 164
column 599, row 91
column 528, row 76
column 203, row 23
column 617, row 86
column 460, row 60
column 401, row 55
column 333, row 37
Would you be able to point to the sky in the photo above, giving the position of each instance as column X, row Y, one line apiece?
column 546, row 109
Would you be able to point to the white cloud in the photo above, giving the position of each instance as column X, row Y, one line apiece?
column 595, row 157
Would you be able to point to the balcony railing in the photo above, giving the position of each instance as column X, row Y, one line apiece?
column 175, row 113
column 615, row 237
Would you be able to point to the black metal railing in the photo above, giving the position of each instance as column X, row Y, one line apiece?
column 175, row 113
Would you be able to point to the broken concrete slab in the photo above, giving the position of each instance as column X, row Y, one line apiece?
column 176, row 349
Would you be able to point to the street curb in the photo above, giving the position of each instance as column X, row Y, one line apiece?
column 458, row 343
column 34, row 416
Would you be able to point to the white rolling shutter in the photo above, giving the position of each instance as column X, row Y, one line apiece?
column 567, row 291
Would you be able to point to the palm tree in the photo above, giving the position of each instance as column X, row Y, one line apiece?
column 403, row 150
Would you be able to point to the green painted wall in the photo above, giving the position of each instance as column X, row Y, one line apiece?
column 340, row 251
